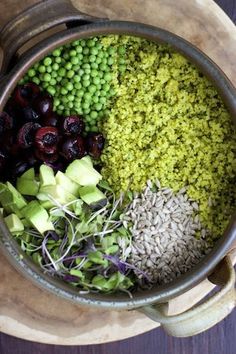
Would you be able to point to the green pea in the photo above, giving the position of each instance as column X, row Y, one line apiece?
column 94, row 65
column 87, row 71
column 53, row 82
column 47, row 77
column 36, row 80
column 75, row 60
column 54, row 74
column 87, row 96
column 106, row 87
column 49, row 69
column 94, row 129
column 98, row 106
column 80, row 57
column 85, row 105
column 55, row 66
column 94, row 73
column 77, row 78
column 80, row 93
column 86, row 66
column 94, row 50
column 92, row 88
column 93, row 114
column 56, row 102
column 78, row 85
column 61, row 107
column 110, row 61
column 68, row 66
column 81, row 72
column 31, row 73
column 56, row 53
column 69, row 86
column 90, row 43
column 103, row 93
column 42, row 69
column 66, row 56
column 70, row 74
column 96, row 80
column 86, row 51
column 95, row 99
column 47, row 61
column 73, row 53
column 101, row 54
column 92, row 58
column 85, row 77
column 64, row 91
column 121, row 61
column 102, row 81
column 98, row 61
column 71, row 98
column 62, row 72
column 51, row 90
column 87, row 111
column 86, row 83
column 58, row 60
column 79, row 49
column 103, row 66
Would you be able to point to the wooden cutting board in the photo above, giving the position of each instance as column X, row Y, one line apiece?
column 31, row 313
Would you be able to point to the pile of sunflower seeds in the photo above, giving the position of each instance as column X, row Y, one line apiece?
column 168, row 237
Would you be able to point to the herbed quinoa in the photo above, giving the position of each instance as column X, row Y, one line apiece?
column 168, row 122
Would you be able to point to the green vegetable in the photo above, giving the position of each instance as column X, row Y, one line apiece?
column 37, row 216
column 14, row 223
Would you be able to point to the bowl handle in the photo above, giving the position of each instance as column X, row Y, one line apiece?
column 203, row 316
column 35, row 20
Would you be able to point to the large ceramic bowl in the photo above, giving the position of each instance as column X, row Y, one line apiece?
column 154, row 302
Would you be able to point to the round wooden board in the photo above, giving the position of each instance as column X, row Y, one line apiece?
column 33, row 314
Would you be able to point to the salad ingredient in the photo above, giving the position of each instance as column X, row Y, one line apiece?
column 95, row 144
column 27, row 186
column 81, row 172
column 29, row 114
column 65, row 182
column 168, row 237
column 73, row 125
column 43, row 105
column 73, row 148
column 24, row 94
column 14, row 224
column 37, row 216
column 26, row 134
column 168, row 122
column 46, row 176
column 46, row 139
column 92, row 196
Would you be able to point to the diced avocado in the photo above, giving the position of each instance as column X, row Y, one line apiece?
column 66, row 183
column 46, row 176
column 1, row 211
column 14, row 224
column 27, row 186
column 37, row 216
column 92, row 196
column 26, row 222
column 58, row 193
column 88, row 160
column 10, row 198
column 29, row 174
column 82, row 173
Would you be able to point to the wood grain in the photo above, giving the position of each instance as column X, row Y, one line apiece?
column 31, row 313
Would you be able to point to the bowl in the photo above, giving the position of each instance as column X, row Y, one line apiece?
column 216, row 266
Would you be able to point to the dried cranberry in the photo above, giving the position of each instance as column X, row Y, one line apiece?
column 29, row 114
column 73, row 125
column 73, row 148
column 6, row 122
column 46, row 139
column 95, row 144
column 24, row 94
column 52, row 120
column 43, row 105
column 26, row 134
column 47, row 158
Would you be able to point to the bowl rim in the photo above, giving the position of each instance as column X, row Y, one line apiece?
column 157, row 294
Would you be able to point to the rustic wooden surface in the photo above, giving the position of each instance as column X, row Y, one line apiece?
column 214, row 33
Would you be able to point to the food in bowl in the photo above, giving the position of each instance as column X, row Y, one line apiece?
column 122, row 164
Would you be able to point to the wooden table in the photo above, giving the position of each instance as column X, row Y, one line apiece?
column 218, row 340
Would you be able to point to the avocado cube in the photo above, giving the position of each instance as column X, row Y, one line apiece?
column 10, row 198
column 37, row 216
column 29, row 174
column 14, row 224
column 82, row 173
column 56, row 193
column 66, row 183
column 92, row 196
column 46, row 176
column 27, row 186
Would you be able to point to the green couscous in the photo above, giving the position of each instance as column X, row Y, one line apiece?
column 168, row 122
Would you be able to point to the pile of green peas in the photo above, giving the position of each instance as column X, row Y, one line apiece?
column 79, row 77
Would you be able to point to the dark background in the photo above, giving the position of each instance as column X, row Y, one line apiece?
column 218, row 340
